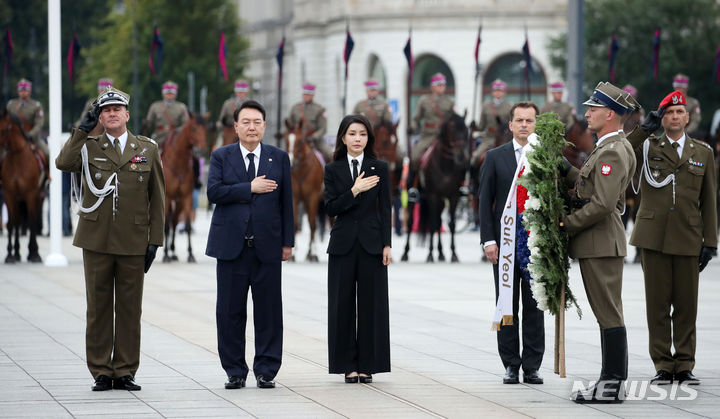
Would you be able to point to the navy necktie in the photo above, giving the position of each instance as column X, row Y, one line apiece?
column 251, row 166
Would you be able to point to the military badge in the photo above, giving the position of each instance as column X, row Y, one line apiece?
column 98, row 175
column 656, row 173
column 133, row 166
column 139, row 159
column 133, row 146
column 140, row 178
column 606, row 169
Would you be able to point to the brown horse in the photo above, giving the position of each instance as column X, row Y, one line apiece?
column 386, row 141
column 307, row 180
column 177, row 169
column 582, row 142
column 22, row 181
column 440, row 179
column 228, row 135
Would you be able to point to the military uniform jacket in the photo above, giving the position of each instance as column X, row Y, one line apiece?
column 30, row 113
column 693, row 108
column 165, row 117
column 140, row 217
column 227, row 112
column 684, row 227
column 490, row 115
column 377, row 111
column 312, row 115
column 562, row 109
column 596, row 229
column 430, row 112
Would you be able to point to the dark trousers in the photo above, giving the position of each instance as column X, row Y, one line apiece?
column 114, row 287
column 533, row 328
column 234, row 279
column 358, row 315
column 671, row 297
column 66, row 220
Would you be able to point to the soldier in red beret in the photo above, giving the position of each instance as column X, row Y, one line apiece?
column 676, row 232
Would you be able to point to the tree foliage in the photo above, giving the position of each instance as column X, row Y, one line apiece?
column 191, row 34
column 689, row 37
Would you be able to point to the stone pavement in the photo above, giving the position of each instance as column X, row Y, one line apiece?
column 444, row 356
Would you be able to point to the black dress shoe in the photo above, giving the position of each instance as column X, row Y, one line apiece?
column 366, row 379
column 532, row 377
column 511, row 375
column 235, row 382
column 102, row 383
column 687, row 377
column 264, row 383
column 351, row 380
column 662, row 378
column 603, row 392
column 125, row 383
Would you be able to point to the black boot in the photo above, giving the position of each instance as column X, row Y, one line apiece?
column 610, row 386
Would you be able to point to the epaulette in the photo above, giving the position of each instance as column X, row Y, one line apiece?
column 702, row 143
column 148, row 139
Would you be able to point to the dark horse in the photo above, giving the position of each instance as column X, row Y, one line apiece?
column 386, row 142
column 582, row 142
column 178, row 172
column 22, row 181
column 440, row 178
column 307, row 180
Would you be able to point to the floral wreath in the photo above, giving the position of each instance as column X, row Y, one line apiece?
column 542, row 245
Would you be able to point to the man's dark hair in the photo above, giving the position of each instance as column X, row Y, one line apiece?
column 251, row 104
column 524, row 105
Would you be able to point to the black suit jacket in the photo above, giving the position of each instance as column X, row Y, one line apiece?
column 496, row 177
column 365, row 217
column 271, row 214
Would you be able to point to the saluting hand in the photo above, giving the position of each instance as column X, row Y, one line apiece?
column 262, row 185
column 363, row 183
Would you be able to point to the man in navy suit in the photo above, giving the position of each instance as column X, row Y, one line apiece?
column 497, row 174
column 252, row 231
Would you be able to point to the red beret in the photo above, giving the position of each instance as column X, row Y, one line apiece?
column 674, row 98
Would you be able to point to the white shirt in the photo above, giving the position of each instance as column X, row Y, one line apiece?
column 518, row 152
column 609, row 134
column 246, row 160
column 359, row 159
column 681, row 144
column 122, row 138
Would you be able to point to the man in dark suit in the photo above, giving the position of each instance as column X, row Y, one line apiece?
column 496, row 177
column 252, row 231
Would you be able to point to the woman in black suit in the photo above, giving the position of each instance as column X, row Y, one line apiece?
column 357, row 193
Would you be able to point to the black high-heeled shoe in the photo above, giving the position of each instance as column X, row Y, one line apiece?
column 351, row 380
column 366, row 379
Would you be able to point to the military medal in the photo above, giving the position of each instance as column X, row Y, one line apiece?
column 133, row 166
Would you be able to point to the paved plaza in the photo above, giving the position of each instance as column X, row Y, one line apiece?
column 444, row 356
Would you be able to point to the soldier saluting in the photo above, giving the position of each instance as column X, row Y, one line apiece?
column 676, row 232
column 122, row 216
